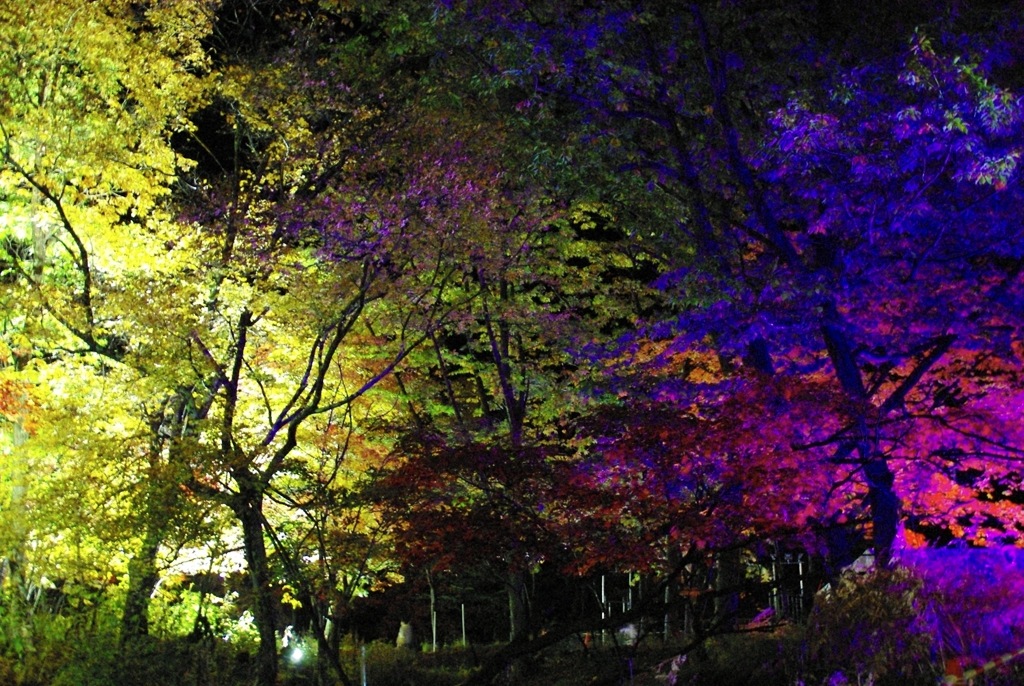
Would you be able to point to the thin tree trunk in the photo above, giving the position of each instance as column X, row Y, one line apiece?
column 142, row 580
column 674, row 618
column 328, row 638
column 166, row 429
column 248, row 507
column 728, row 577
column 433, row 611
column 12, row 564
column 518, row 606
column 883, row 503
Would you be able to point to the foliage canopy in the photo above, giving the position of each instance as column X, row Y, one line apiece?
column 332, row 296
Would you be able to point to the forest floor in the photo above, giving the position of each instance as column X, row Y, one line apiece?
column 754, row 659
column 784, row 657
column 730, row 661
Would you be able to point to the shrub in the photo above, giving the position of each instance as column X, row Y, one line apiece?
column 36, row 639
column 872, row 626
column 754, row 659
column 978, row 610
column 387, row 665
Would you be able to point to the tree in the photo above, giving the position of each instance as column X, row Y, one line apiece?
column 557, row 266
column 499, row 377
column 761, row 278
column 94, row 95
column 331, row 539
column 330, row 263
column 918, row 197
column 240, row 320
column 647, row 285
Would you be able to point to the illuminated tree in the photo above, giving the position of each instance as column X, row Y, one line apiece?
column 94, row 94
column 537, row 277
column 800, row 233
column 228, row 316
column 596, row 286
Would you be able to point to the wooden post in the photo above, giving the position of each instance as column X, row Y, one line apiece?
column 604, row 608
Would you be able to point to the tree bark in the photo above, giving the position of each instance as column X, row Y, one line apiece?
column 142, row 580
column 167, row 428
column 728, row 577
column 518, row 606
column 882, row 501
column 248, row 507
column 329, row 668
column 676, row 617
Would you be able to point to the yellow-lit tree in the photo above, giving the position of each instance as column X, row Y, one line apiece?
column 94, row 93
column 201, row 326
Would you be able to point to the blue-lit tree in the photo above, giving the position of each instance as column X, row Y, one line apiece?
column 837, row 215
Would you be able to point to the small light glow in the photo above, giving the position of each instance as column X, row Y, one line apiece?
column 297, row 655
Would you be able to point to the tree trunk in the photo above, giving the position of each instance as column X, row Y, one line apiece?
column 433, row 612
column 328, row 666
column 882, row 500
column 518, row 606
column 165, row 472
column 248, row 507
column 142, row 579
column 329, row 669
column 885, row 508
column 728, row 577
column 676, row 617
column 12, row 562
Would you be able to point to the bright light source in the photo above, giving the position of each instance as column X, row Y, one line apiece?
column 297, row 655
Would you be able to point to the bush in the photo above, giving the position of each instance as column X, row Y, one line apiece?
column 978, row 610
column 754, row 659
column 150, row 661
column 387, row 665
column 36, row 639
column 872, row 626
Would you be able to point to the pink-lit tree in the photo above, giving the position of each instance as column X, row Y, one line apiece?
column 854, row 222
